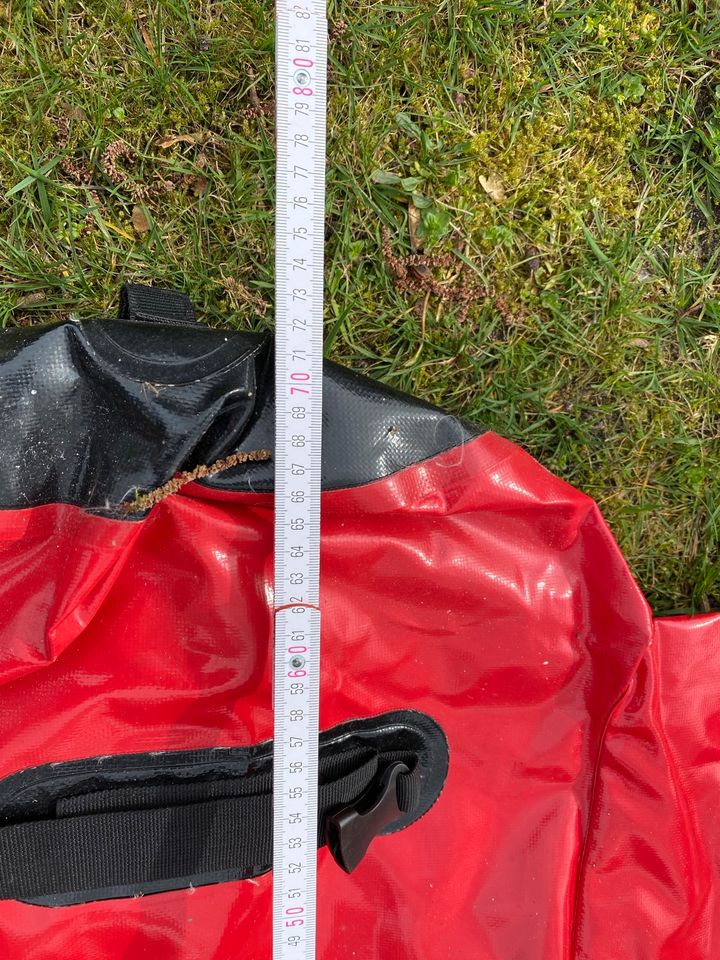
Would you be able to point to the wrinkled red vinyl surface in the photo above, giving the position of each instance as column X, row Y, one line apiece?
column 579, row 819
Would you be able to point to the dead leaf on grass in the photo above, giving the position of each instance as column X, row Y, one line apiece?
column 492, row 185
column 140, row 222
column 199, row 185
column 172, row 139
column 38, row 296
column 710, row 343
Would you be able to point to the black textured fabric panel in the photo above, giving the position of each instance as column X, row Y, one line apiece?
column 95, row 411
column 122, row 826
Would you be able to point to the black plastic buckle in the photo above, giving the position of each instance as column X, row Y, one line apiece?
column 350, row 832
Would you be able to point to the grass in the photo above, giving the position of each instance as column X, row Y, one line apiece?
column 569, row 152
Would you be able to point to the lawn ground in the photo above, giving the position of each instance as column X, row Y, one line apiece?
column 561, row 160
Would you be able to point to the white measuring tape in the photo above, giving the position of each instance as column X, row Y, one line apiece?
column 301, row 69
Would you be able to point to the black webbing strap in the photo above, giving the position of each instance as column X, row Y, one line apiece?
column 138, row 302
column 135, row 837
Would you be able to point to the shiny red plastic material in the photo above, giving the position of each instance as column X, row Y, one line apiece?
column 578, row 820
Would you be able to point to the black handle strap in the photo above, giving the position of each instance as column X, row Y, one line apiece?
column 139, row 302
column 142, row 839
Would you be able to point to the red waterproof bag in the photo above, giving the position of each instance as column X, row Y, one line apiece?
column 548, row 754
